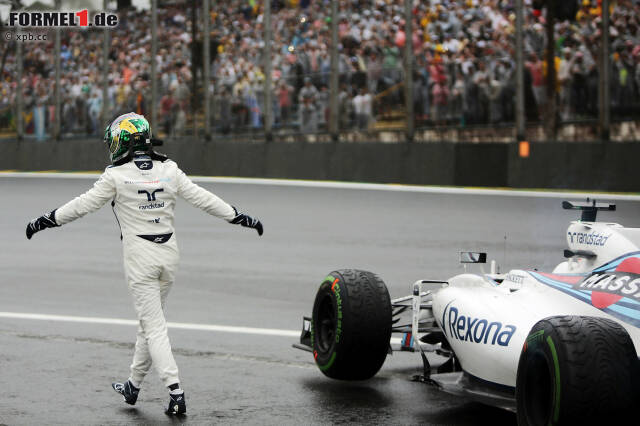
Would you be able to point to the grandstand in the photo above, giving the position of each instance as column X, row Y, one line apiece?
column 463, row 70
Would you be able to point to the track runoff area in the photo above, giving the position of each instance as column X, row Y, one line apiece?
column 66, row 318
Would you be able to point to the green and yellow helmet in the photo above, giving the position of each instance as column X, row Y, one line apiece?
column 127, row 134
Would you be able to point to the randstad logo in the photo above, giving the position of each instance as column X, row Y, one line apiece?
column 62, row 19
column 152, row 206
column 151, row 196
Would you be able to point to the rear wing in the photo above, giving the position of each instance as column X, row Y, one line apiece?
column 589, row 209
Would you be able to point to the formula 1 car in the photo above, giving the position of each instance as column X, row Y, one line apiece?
column 557, row 348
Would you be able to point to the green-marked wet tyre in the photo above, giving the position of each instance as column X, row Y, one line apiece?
column 577, row 370
column 351, row 324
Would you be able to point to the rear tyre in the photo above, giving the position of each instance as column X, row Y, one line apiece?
column 576, row 370
column 351, row 325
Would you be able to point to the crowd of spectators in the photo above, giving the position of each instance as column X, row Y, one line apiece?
column 129, row 66
column 463, row 65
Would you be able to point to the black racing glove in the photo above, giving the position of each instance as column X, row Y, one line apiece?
column 246, row 221
column 45, row 221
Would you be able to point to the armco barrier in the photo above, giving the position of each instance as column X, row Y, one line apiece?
column 570, row 165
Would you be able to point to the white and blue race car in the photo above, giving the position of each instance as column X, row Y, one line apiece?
column 557, row 347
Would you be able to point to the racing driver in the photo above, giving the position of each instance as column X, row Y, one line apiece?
column 142, row 186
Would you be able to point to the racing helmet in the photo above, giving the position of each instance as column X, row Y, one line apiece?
column 127, row 134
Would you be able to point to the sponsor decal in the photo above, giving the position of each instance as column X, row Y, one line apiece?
column 612, row 288
column 588, row 238
column 518, row 279
column 476, row 330
column 151, row 206
column 407, row 342
column 155, row 220
column 335, row 287
column 608, row 288
column 144, row 165
column 565, row 279
column 160, row 239
column 533, row 339
column 146, row 182
column 151, row 196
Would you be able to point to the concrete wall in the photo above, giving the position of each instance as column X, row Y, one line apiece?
column 612, row 167
column 550, row 165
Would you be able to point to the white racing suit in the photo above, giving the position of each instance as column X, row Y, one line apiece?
column 143, row 194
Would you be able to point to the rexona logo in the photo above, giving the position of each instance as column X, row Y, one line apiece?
column 475, row 330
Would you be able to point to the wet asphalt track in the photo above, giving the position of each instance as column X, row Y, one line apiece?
column 60, row 373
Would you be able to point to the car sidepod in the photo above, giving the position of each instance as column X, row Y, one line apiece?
column 483, row 327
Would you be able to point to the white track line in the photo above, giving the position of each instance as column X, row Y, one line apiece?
column 182, row 325
column 360, row 186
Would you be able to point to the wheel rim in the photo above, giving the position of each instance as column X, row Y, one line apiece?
column 327, row 324
column 538, row 390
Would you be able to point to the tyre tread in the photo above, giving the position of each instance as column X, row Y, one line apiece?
column 366, row 325
column 598, row 368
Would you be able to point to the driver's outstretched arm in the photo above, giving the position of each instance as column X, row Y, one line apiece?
column 103, row 190
column 214, row 205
